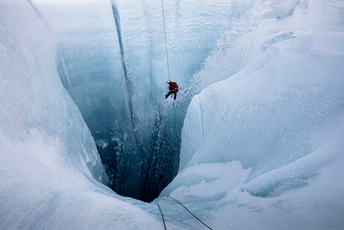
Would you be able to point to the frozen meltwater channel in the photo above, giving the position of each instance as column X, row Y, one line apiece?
column 262, row 149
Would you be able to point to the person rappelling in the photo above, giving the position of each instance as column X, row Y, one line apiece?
column 173, row 87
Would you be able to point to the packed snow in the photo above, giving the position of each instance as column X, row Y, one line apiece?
column 261, row 142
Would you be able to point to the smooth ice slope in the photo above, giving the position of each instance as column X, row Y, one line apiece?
column 50, row 171
column 275, row 129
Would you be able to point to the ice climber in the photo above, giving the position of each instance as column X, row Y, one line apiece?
column 173, row 87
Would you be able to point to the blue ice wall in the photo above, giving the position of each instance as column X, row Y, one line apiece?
column 114, row 65
column 42, row 130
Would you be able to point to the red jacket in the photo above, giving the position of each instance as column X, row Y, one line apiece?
column 173, row 86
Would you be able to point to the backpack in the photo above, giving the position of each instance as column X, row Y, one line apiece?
column 174, row 85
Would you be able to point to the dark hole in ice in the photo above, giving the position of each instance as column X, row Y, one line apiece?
column 137, row 170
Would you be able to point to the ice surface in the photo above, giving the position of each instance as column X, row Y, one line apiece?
column 261, row 25
column 282, row 118
column 281, row 96
column 49, row 169
column 34, row 102
column 116, row 72
column 113, row 64
column 261, row 150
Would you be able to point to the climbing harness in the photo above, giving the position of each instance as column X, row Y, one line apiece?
column 162, row 216
column 163, row 18
column 186, row 210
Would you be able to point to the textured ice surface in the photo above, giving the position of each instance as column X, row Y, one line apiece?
column 116, row 72
column 115, row 59
column 49, row 169
column 261, row 25
column 34, row 102
column 282, row 118
column 281, row 97
column 49, row 166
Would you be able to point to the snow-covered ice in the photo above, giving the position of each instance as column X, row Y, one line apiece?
column 112, row 62
column 50, row 171
column 261, row 145
column 268, row 142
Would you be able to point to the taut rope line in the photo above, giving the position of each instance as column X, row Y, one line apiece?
column 190, row 212
column 162, row 217
column 163, row 18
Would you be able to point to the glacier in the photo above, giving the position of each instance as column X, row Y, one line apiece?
column 255, row 139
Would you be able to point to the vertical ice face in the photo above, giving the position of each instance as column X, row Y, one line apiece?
column 292, row 95
column 34, row 102
column 115, row 59
column 50, row 171
column 94, row 75
column 116, row 72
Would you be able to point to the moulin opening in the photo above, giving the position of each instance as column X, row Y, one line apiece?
column 140, row 160
column 136, row 130
column 140, row 170
column 140, row 154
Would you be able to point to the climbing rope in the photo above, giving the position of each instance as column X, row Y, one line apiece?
column 162, row 216
column 190, row 212
column 163, row 18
